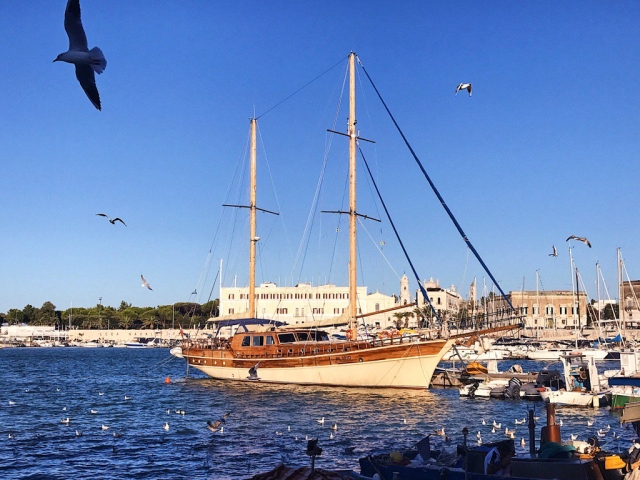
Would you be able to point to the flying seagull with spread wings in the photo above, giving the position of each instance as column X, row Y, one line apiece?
column 86, row 61
column 112, row 221
column 580, row 239
column 555, row 252
column 215, row 426
column 144, row 283
column 464, row 86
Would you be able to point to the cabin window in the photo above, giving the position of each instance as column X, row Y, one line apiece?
column 319, row 336
column 258, row 341
column 303, row 336
column 246, row 341
column 271, row 340
column 286, row 337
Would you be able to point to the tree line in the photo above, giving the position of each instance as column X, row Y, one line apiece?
column 126, row 316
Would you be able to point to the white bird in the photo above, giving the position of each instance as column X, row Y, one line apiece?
column 86, row 61
column 483, row 422
column 100, row 394
column 65, row 421
column 168, row 411
column 214, row 426
column 288, row 428
column 127, row 398
column 560, row 423
column 404, row 420
column 574, row 436
column 440, row 432
column 478, row 436
column 166, row 425
column 112, row 221
column 57, row 389
column 182, row 412
column 93, row 411
column 507, row 431
column 497, row 425
column 555, row 252
column 64, row 409
column 11, row 402
column 608, row 427
column 589, row 423
column 145, row 284
column 334, row 426
column 10, row 437
column 522, row 442
column 278, row 432
column 78, row 434
column 580, row 239
column 480, row 441
column 321, row 421
column 104, row 427
column 222, row 429
column 331, row 436
column 464, row 86
column 493, row 429
column 602, row 433
column 512, row 435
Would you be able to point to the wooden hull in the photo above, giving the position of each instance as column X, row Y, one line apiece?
column 404, row 365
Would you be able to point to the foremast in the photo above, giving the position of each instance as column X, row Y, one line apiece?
column 253, row 238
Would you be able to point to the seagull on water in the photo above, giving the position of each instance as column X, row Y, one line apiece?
column 11, row 402
column 522, row 442
column 464, row 86
column 166, row 426
column 521, row 422
column 104, row 427
column 86, row 61
column 217, row 425
column 93, row 411
column 589, row 423
column 334, row 426
column 127, row 397
column 144, row 283
column 64, row 409
column 65, row 421
column 112, row 221
column 555, row 252
column 580, row 239
column 100, row 394
column 78, row 434
column 321, row 421
column 574, row 436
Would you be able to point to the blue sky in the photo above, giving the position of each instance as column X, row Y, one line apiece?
column 546, row 147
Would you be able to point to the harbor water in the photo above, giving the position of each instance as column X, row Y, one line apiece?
column 266, row 425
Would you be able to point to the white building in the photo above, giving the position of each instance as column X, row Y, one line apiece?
column 446, row 302
column 306, row 303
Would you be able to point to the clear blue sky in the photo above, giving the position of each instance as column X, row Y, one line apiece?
column 548, row 145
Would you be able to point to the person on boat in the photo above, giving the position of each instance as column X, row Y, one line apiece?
column 498, row 460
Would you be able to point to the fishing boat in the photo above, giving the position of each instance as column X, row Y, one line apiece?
column 264, row 351
column 584, row 386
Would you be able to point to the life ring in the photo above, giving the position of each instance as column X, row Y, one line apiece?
column 349, row 334
column 583, row 373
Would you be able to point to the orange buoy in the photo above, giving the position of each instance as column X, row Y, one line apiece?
column 167, row 380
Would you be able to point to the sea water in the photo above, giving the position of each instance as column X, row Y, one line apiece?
column 266, row 425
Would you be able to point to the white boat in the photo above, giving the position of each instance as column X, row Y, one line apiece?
column 135, row 345
column 584, row 386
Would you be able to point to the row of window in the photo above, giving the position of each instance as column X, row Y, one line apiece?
column 549, row 310
column 293, row 296
column 262, row 340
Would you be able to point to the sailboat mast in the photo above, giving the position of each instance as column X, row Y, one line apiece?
column 252, row 221
column 353, row 285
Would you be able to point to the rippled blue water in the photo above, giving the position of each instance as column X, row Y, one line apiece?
column 267, row 423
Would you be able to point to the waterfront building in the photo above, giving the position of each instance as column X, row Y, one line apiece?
column 446, row 302
column 557, row 309
column 630, row 301
column 305, row 302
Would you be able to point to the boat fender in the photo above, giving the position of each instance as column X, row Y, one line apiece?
column 596, row 401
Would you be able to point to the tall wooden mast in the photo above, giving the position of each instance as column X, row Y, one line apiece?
column 252, row 221
column 353, row 285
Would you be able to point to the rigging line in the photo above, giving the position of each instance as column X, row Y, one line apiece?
column 275, row 193
column 302, row 249
column 435, row 190
column 378, row 247
column 393, row 226
column 302, row 88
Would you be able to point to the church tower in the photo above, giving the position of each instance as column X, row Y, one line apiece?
column 405, row 294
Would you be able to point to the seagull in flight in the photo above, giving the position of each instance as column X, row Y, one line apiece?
column 86, row 61
column 555, row 252
column 215, row 426
column 145, row 284
column 580, row 239
column 112, row 221
column 464, row 86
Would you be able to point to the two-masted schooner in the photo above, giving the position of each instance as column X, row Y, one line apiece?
column 259, row 351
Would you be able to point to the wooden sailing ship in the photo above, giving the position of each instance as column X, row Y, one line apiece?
column 260, row 351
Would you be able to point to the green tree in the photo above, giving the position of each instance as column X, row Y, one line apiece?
column 14, row 317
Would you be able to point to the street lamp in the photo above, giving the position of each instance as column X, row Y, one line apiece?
column 99, row 311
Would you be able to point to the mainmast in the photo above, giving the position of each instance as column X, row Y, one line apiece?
column 353, row 285
column 252, row 221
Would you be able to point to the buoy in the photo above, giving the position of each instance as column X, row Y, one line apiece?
column 596, row 401
column 167, row 380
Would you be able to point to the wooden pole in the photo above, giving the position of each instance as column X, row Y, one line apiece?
column 252, row 221
column 353, row 285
